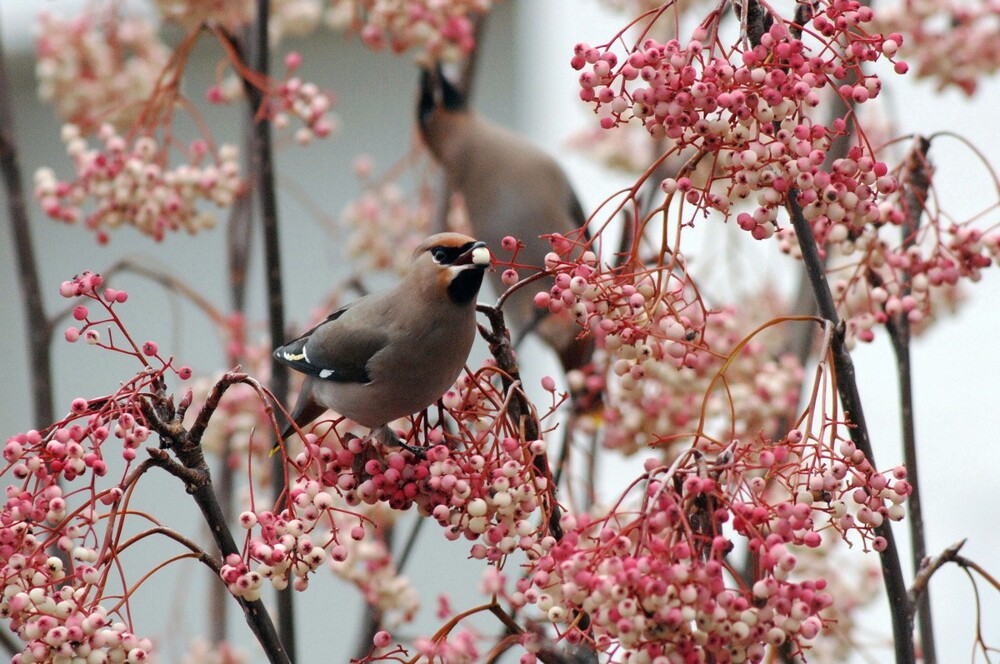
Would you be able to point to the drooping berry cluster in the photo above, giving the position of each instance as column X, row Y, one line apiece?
column 912, row 263
column 54, row 501
column 129, row 183
column 749, row 109
column 434, row 30
column 488, row 493
column 285, row 100
column 952, row 43
column 98, row 67
column 656, row 578
column 665, row 351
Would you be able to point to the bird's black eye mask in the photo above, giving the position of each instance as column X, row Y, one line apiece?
column 447, row 255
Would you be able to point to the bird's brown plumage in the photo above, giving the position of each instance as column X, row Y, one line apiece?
column 510, row 187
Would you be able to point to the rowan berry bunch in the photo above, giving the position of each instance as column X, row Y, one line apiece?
column 303, row 101
column 749, row 108
column 128, row 182
column 911, row 264
column 60, row 606
column 484, row 484
column 98, row 67
column 953, row 43
column 655, row 578
column 290, row 99
column 664, row 349
column 434, row 30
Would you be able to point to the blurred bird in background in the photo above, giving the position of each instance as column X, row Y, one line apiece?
column 511, row 188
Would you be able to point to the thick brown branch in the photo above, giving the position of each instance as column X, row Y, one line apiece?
column 194, row 472
column 847, row 387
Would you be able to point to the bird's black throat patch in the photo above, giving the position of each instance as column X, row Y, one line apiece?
column 464, row 287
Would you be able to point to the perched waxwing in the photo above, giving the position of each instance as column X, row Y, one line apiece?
column 510, row 187
column 393, row 353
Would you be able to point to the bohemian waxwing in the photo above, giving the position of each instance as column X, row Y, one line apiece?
column 393, row 353
column 510, row 187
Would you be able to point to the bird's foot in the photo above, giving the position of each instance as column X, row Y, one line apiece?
column 388, row 438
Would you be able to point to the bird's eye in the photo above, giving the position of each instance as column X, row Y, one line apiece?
column 440, row 255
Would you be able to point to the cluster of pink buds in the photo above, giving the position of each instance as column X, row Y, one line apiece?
column 129, row 183
column 61, row 625
column 696, row 94
column 434, row 30
column 885, row 272
column 98, row 67
column 486, row 485
column 284, row 544
column 487, row 496
column 664, row 350
column 678, row 392
column 317, row 525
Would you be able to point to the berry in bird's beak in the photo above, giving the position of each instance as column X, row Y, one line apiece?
column 478, row 254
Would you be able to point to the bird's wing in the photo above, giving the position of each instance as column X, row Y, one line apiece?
column 334, row 350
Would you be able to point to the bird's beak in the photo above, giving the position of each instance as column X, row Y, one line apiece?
column 477, row 255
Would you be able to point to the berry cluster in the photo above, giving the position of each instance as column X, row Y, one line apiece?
column 486, row 486
column 286, row 546
column 435, row 30
column 285, row 100
column 655, row 578
column 128, row 183
column 54, row 502
column 486, row 493
column 96, row 68
column 883, row 273
column 385, row 225
column 664, row 351
column 307, row 104
column 953, row 43
column 753, row 115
